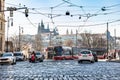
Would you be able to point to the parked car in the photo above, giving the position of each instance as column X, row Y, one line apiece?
column 85, row 55
column 19, row 56
column 8, row 57
column 38, row 56
column 95, row 56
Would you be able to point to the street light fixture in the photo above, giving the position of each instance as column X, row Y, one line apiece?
column 20, row 28
column 8, row 31
column 67, row 13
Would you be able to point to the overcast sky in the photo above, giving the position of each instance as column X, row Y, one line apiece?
column 82, row 13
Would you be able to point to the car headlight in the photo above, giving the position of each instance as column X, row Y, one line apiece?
column 11, row 59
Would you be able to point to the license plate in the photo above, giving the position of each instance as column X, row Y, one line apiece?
column 84, row 55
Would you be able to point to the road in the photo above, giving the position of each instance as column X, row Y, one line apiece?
column 61, row 70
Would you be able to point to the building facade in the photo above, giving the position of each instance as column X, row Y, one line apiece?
column 45, row 35
column 2, row 26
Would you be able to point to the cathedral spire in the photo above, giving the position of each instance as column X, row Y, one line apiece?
column 67, row 32
column 42, row 24
column 39, row 29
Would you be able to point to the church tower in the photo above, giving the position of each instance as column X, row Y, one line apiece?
column 39, row 29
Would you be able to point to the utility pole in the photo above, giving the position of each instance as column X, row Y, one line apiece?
column 50, row 38
column 115, row 47
column 8, row 25
column 20, row 28
column 7, row 34
column 19, row 39
column 76, row 38
column 107, row 40
column 115, row 37
column 76, row 41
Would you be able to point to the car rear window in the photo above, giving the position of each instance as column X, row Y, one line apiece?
column 85, row 52
column 37, row 53
column 6, row 54
column 17, row 54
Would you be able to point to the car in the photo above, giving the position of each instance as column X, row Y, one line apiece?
column 39, row 56
column 85, row 55
column 95, row 56
column 19, row 56
column 8, row 57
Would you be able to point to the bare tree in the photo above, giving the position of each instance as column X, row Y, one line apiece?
column 68, row 43
column 86, row 40
column 15, row 39
column 38, row 42
column 92, row 40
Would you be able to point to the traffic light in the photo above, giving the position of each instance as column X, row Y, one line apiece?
column 67, row 13
column 26, row 12
column 103, row 8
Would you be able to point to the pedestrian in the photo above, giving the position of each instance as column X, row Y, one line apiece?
column 33, row 57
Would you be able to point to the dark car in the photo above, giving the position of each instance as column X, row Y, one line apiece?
column 95, row 56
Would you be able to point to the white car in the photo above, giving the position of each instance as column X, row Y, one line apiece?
column 85, row 55
column 8, row 57
column 39, row 56
column 19, row 56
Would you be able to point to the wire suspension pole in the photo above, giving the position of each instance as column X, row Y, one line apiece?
column 107, row 40
column 19, row 39
column 7, row 35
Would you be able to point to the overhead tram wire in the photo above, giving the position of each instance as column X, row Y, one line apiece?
column 89, row 25
column 31, row 22
column 113, row 5
column 67, row 1
column 88, row 15
column 71, row 4
column 12, row 4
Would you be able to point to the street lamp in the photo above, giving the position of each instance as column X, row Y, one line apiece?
column 20, row 28
column 8, row 30
column 107, row 41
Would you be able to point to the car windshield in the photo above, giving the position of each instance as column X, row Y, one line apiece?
column 6, row 54
column 85, row 52
column 17, row 54
column 94, row 52
column 37, row 53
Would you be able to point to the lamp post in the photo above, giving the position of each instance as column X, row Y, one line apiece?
column 7, row 34
column 20, row 28
column 8, row 20
column 107, row 40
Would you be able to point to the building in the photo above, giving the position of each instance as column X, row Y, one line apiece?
column 2, row 26
column 45, row 35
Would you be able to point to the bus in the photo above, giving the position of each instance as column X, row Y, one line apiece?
column 64, row 53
